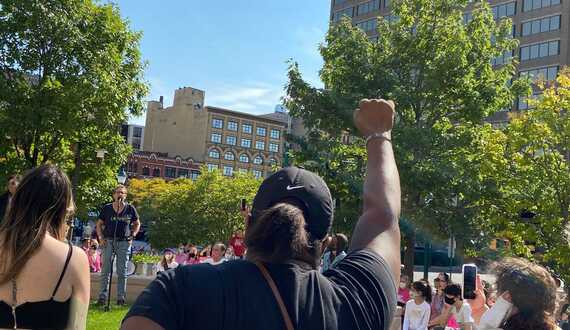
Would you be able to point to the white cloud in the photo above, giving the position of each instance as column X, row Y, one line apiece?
column 254, row 98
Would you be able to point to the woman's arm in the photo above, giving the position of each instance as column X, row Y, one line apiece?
column 443, row 318
column 81, row 286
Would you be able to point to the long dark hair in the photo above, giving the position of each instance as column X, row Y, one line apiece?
column 41, row 205
column 533, row 293
column 279, row 235
column 341, row 243
column 423, row 289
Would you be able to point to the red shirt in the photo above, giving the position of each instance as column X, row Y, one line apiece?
column 238, row 245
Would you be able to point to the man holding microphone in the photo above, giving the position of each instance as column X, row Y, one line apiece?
column 117, row 225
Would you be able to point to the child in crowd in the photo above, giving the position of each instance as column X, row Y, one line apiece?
column 193, row 257
column 167, row 261
column 404, row 290
column 459, row 309
column 94, row 257
column 418, row 308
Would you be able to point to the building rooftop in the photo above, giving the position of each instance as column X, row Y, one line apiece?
column 246, row 115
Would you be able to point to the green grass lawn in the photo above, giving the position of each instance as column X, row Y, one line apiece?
column 98, row 319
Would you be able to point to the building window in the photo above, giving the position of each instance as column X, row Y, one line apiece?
column 145, row 171
column 216, row 138
column 547, row 73
column 272, row 162
column 137, row 132
column 229, row 156
column 367, row 7
column 244, row 158
column 214, row 154
column 537, row 4
column 273, row 147
column 368, row 25
column 242, row 171
column 231, row 140
column 228, row 170
column 524, row 104
column 246, row 128
column 261, row 131
column 257, row 174
column 170, row 172
column 386, row 3
column 504, row 10
column 258, row 160
column 541, row 25
column 259, row 145
column 232, row 126
column 194, row 175
column 531, row 52
column 246, row 143
column 275, row 134
column 136, row 144
column 348, row 12
column 182, row 173
column 217, row 123
column 212, row 167
column 504, row 58
column 156, row 172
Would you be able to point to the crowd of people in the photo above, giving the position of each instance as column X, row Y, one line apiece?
column 294, row 274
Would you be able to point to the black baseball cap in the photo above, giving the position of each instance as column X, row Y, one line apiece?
column 305, row 187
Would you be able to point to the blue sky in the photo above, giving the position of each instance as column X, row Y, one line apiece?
column 234, row 50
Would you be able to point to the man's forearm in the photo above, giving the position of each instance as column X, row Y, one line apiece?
column 382, row 183
column 136, row 227
column 99, row 230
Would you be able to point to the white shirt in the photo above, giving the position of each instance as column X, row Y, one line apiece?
column 170, row 265
column 416, row 316
column 463, row 315
column 212, row 262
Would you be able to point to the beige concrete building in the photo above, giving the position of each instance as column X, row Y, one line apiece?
column 221, row 139
column 542, row 27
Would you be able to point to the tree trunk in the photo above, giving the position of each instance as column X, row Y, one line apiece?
column 409, row 254
column 77, row 169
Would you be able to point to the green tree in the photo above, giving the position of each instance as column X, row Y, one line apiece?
column 439, row 72
column 70, row 74
column 201, row 211
column 529, row 163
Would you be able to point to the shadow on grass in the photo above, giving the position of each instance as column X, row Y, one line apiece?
column 98, row 319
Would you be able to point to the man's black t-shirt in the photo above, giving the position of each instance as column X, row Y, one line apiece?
column 359, row 293
column 118, row 225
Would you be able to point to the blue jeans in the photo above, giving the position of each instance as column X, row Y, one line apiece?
column 121, row 253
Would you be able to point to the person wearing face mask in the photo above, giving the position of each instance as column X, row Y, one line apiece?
column 193, row 257
column 458, row 309
column 418, row 309
column 181, row 255
column 478, row 305
column 526, row 297
column 404, row 290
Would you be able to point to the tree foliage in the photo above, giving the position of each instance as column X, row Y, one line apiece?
column 201, row 211
column 70, row 74
column 439, row 72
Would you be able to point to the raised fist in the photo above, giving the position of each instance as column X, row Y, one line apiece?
column 374, row 116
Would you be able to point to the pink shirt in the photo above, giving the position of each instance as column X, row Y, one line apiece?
column 403, row 295
column 181, row 258
column 94, row 262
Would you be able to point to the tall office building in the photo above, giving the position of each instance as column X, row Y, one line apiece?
column 541, row 26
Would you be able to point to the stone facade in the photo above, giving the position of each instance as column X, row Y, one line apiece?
column 219, row 138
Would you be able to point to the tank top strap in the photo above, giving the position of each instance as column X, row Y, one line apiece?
column 69, row 253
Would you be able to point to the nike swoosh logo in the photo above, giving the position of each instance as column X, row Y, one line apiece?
column 296, row 187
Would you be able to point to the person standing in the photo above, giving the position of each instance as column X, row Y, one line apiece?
column 44, row 280
column 118, row 223
column 278, row 285
column 11, row 185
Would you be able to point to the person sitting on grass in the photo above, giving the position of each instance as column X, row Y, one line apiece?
column 278, row 285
